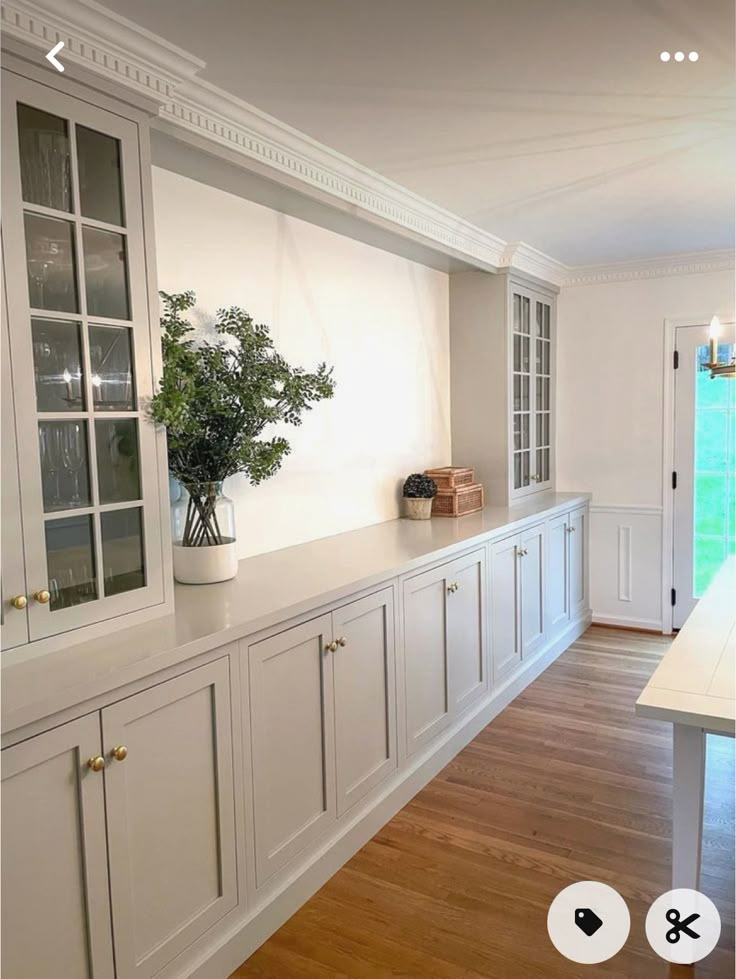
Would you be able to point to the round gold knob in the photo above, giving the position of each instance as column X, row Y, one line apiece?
column 96, row 764
column 19, row 602
column 42, row 596
column 342, row 641
column 331, row 647
column 120, row 753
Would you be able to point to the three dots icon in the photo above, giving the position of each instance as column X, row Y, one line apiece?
column 679, row 56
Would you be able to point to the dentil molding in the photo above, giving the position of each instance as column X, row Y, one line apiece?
column 127, row 54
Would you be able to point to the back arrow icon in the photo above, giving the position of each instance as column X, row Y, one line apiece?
column 51, row 56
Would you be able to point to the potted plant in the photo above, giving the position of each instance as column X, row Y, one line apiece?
column 419, row 491
column 215, row 399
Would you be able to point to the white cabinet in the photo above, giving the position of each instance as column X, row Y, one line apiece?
column 502, row 356
column 55, row 898
column 170, row 816
column 567, row 569
column 444, row 645
column 161, row 818
column 322, row 723
column 80, row 350
column 517, row 599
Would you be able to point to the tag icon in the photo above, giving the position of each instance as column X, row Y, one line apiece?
column 587, row 921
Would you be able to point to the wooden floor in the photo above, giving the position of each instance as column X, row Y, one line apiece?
column 566, row 784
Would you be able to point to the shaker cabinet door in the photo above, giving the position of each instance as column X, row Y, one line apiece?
column 426, row 657
column 365, row 710
column 578, row 562
column 532, row 590
column 55, row 898
column 558, row 574
column 505, row 632
column 292, row 741
column 466, row 629
column 170, row 816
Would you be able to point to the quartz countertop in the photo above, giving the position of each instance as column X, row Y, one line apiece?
column 269, row 588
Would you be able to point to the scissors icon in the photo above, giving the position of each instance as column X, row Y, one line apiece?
column 673, row 935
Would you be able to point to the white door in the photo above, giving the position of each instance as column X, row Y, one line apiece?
column 558, row 574
column 365, row 709
column 466, row 629
column 505, row 631
column 703, row 497
column 170, row 816
column 531, row 588
column 293, row 741
column 577, row 531
column 55, row 899
column 426, row 657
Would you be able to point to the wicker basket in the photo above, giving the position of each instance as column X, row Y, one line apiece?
column 459, row 501
column 450, row 477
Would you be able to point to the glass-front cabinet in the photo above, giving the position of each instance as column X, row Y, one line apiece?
column 87, row 543
column 532, row 437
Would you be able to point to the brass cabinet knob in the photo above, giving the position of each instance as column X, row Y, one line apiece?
column 572, row 530
column 331, row 647
column 120, row 753
column 522, row 551
column 453, row 587
column 42, row 596
column 19, row 602
column 96, row 764
column 342, row 641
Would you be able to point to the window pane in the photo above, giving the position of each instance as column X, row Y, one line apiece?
column 112, row 374
column 57, row 362
column 64, row 464
column 99, row 176
column 122, row 551
column 45, row 169
column 106, row 274
column 117, row 460
column 71, row 561
column 51, row 262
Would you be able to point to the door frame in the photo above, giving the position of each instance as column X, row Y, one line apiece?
column 671, row 325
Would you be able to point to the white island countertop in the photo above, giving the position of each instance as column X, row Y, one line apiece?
column 269, row 589
column 695, row 683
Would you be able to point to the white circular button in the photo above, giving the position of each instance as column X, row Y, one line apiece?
column 664, row 56
column 588, row 922
column 683, row 926
column 679, row 56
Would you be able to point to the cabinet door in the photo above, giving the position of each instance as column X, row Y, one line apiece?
column 55, row 899
column 292, row 739
column 170, row 817
column 466, row 629
column 505, row 632
column 13, row 621
column 543, row 394
column 426, row 665
column 532, row 590
column 521, row 393
column 80, row 347
column 578, row 562
column 558, row 574
column 365, row 710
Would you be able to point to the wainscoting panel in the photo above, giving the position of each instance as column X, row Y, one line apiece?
column 626, row 565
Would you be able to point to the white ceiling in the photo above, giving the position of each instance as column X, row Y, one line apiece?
column 548, row 121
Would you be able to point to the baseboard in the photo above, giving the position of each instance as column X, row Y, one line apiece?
column 233, row 947
column 624, row 622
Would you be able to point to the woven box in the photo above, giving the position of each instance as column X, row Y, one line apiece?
column 459, row 501
column 450, row 477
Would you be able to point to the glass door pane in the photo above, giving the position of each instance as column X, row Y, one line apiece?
column 521, row 409
column 45, row 162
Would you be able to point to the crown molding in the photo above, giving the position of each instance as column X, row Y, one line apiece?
column 103, row 42
column 687, row 263
column 133, row 58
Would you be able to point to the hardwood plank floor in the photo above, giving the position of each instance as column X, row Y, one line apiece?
column 566, row 784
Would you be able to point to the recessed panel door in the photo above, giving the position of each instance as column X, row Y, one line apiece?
column 531, row 567
column 558, row 574
column 466, row 629
column 578, row 534
column 505, row 607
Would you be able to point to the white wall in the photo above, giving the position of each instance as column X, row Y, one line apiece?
column 381, row 320
column 610, row 425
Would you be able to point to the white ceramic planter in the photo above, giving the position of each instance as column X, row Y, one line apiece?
column 416, row 508
column 205, row 565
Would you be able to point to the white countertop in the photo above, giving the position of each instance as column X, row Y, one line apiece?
column 269, row 589
column 696, row 681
